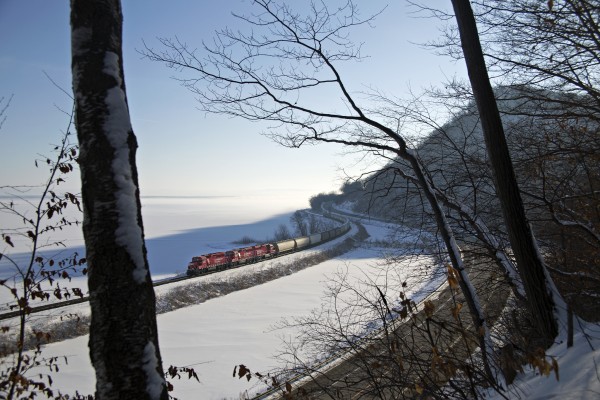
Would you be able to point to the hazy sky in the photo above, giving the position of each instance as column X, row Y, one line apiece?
column 183, row 151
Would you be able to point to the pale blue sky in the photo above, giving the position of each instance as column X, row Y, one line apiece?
column 183, row 151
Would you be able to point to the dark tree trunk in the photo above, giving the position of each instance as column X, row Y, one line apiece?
column 530, row 263
column 123, row 334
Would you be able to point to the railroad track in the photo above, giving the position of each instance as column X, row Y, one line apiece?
column 166, row 281
column 84, row 299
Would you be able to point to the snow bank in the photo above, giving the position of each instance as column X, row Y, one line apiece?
column 578, row 372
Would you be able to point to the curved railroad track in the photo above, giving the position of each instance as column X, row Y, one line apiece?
column 66, row 303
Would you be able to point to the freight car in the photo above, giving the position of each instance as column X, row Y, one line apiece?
column 236, row 257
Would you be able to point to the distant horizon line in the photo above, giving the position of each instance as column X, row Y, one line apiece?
column 191, row 196
column 30, row 196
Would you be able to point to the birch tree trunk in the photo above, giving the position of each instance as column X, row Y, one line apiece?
column 123, row 333
column 530, row 263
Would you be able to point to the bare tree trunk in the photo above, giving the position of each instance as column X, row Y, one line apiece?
column 123, row 332
column 530, row 263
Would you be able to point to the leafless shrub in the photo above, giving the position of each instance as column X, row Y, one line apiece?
column 35, row 278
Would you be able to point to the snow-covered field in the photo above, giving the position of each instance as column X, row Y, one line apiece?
column 240, row 327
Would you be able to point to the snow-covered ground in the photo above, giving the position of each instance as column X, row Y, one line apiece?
column 240, row 327
column 578, row 375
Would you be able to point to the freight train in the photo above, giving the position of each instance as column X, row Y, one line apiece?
column 236, row 257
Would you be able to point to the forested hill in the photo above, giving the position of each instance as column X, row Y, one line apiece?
column 555, row 147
